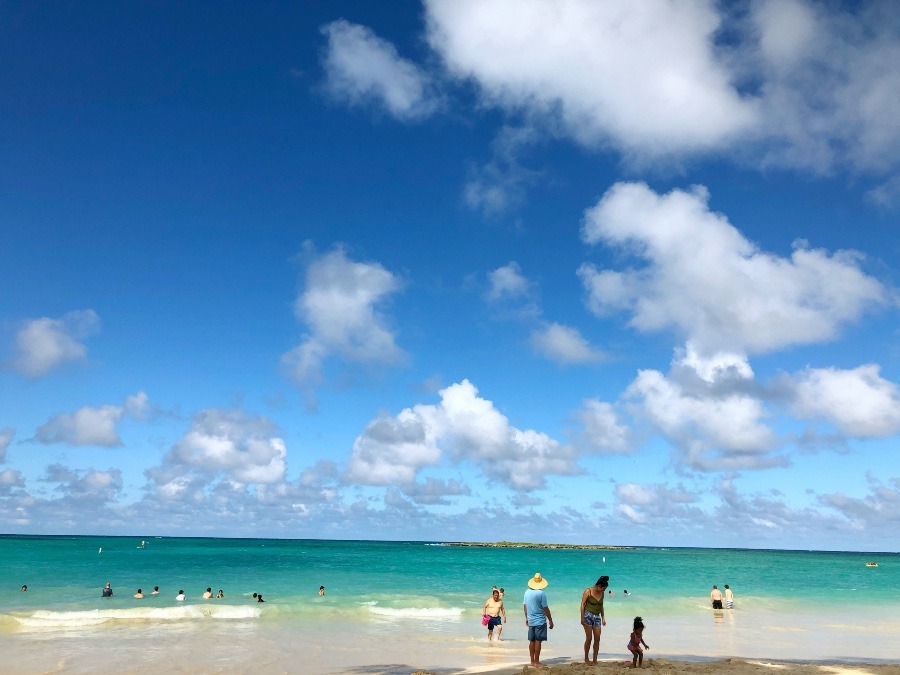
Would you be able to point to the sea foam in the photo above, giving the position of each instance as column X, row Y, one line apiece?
column 418, row 612
column 94, row 617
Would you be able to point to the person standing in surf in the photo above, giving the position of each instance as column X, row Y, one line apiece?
column 493, row 608
column 537, row 617
column 593, row 618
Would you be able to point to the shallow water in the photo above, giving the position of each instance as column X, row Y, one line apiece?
column 410, row 604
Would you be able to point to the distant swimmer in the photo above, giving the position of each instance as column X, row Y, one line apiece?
column 180, row 596
column 729, row 598
column 220, row 594
column 625, row 592
column 140, row 594
column 254, row 595
column 24, row 587
column 155, row 591
column 107, row 591
column 321, row 590
column 259, row 598
column 143, row 544
column 207, row 594
column 716, row 597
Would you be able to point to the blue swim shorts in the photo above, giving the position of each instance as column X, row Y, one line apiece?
column 594, row 620
column 537, row 633
column 494, row 622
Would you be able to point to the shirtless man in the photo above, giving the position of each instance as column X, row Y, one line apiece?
column 716, row 596
column 494, row 608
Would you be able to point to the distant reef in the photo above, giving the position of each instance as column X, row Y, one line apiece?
column 525, row 544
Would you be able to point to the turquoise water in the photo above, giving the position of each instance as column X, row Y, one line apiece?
column 789, row 604
column 67, row 573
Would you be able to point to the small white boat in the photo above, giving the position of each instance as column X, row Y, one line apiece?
column 872, row 564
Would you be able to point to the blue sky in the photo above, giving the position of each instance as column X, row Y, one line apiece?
column 531, row 270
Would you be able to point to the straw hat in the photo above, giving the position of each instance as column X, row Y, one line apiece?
column 537, row 581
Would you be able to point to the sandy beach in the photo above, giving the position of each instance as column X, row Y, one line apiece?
column 678, row 667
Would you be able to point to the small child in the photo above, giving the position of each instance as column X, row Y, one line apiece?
column 637, row 639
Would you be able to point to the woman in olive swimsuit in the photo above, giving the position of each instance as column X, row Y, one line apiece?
column 592, row 615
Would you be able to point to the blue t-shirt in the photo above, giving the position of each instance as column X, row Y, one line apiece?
column 535, row 601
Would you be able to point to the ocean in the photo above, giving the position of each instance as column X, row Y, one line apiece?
column 395, row 606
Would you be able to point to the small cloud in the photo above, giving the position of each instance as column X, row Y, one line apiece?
column 860, row 402
column 364, row 69
column 226, row 444
column 564, row 345
column 435, row 492
column 90, row 487
column 10, row 478
column 45, row 344
column 523, row 500
column 507, row 283
column 887, row 194
column 6, row 436
column 715, row 425
column 92, row 426
column 500, row 185
column 462, row 427
column 600, row 431
column 339, row 306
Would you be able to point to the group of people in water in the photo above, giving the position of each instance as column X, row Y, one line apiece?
column 538, row 618
column 107, row 592
column 717, row 597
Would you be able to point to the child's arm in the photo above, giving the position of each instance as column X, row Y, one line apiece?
column 644, row 643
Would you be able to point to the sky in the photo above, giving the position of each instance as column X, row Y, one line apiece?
column 527, row 270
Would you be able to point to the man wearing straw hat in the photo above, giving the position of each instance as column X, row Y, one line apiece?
column 537, row 617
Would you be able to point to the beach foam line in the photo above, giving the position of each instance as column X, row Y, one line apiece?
column 43, row 618
column 418, row 612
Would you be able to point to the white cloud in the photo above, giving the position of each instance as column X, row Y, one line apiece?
column 338, row 306
column 564, row 345
column 362, row 68
column 435, row 492
column 92, row 426
column 462, row 427
column 600, row 429
column 507, row 283
column 716, row 425
column 830, row 90
column 45, row 344
column 859, row 401
column 797, row 83
column 655, row 504
column 225, row 444
column 643, row 77
column 500, row 185
column 709, row 283
column 392, row 450
column 6, row 436
column 10, row 478
column 90, row 486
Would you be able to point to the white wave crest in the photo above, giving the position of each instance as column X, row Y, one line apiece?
column 94, row 617
column 418, row 612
